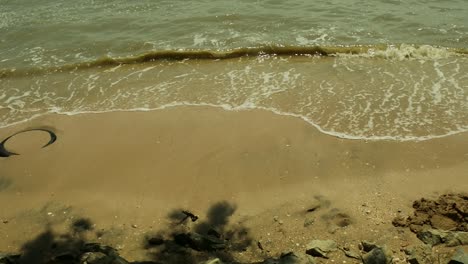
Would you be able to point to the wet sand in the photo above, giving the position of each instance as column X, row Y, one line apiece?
column 127, row 170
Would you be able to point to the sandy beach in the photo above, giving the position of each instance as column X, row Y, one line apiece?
column 126, row 171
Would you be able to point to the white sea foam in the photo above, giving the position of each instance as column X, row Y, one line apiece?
column 346, row 97
column 247, row 106
column 406, row 52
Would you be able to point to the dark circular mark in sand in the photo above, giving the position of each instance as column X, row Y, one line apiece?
column 5, row 153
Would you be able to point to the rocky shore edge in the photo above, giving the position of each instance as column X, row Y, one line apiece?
column 441, row 226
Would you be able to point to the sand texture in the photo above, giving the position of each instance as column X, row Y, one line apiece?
column 276, row 181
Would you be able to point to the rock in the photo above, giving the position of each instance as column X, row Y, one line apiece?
column 309, row 220
column 95, row 258
column 290, row 258
column 376, row 256
column 400, row 221
column 448, row 212
column 320, row 248
column 351, row 254
column 443, row 222
column 460, row 257
column 301, row 258
column 367, row 246
column 433, row 237
column 458, row 239
column 450, row 238
column 9, row 259
column 99, row 254
column 419, row 254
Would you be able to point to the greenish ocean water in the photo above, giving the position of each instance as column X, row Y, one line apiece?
column 380, row 69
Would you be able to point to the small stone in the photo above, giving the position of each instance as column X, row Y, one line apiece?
column 375, row 256
column 332, row 229
column 399, row 221
column 280, row 222
column 134, row 226
column 320, row 248
column 275, row 218
column 309, row 220
column 5, row 221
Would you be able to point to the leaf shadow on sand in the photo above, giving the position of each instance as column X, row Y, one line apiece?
column 51, row 247
column 186, row 239
column 190, row 240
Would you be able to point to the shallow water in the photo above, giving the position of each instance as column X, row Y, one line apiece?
column 361, row 70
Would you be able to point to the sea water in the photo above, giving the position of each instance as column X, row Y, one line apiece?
column 380, row 69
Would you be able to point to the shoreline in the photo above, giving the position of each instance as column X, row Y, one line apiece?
column 126, row 169
column 229, row 108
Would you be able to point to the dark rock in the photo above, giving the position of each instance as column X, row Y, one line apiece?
column 433, row 237
column 367, row 246
column 449, row 238
column 376, row 256
column 290, row 258
column 100, row 254
column 320, row 248
column 460, row 257
column 9, row 259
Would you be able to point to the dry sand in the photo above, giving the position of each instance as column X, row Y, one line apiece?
column 127, row 170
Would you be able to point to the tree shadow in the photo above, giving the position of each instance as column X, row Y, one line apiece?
column 187, row 239
column 50, row 247
column 190, row 240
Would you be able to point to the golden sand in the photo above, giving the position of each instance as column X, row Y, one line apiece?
column 127, row 170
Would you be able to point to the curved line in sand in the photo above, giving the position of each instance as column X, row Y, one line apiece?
column 5, row 153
